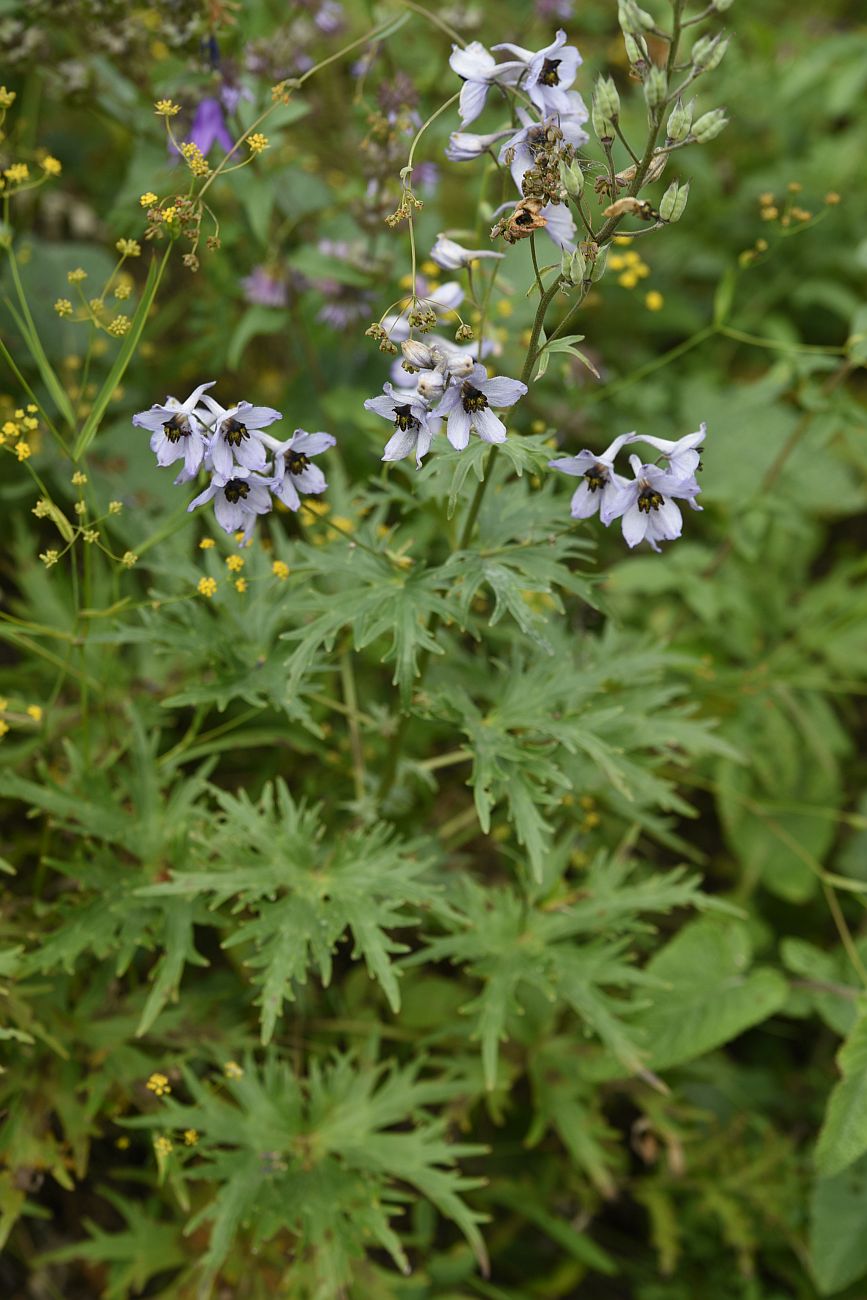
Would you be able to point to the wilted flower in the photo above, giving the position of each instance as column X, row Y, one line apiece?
column 519, row 151
column 647, row 504
column 178, row 430
column 238, row 499
column 415, row 425
column 238, row 432
column 464, row 146
column 450, row 255
column 293, row 472
column 469, row 404
column 601, row 487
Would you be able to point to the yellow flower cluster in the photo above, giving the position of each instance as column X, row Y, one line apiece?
column 280, row 570
column 195, row 159
column 631, row 266
column 119, row 326
column 63, row 307
column 257, row 143
column 128, row 247
column 158, row 1084
column 51, row 166
column 149, row 199
column 76, row 276
column 207, row 587
column 16, row 173
column 165, row 108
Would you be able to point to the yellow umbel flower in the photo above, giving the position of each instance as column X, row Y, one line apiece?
column 148, row 200
column 235, row 563
column 17, row 172
column 207, row 587
column 119, row 326
column 128, row 247
column 206, row 543
column 257, row 142
column 63, row 307
column 159, row 1085
column 280, row 570
column 165, row 108
column 51, row 166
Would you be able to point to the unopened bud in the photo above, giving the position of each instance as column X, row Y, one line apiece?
column 673, row 202
column 636, row 50
column 709, row 125
column 606, row 96
column 460, row 364
column 573, row 266
column 708, row 52
column 679, row 121
column 632, row 19
column 417, row 354
column 431, row 384
column 573, row 178
column 655, row 87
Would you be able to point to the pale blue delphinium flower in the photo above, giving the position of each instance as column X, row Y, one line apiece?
column 478, row 70
column 450, row 255
column 560, row 226
column 647, row 504
column 547, row 74
column 237, row 436
column 468, row 405
column 683, row 454
column 179, row 431
column 239, row 498
column 601, row 487
column 414, row 424
column 293, row 473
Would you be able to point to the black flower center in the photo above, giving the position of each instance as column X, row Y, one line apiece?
column 404, row 418
column 176, row 428
column 297, row 461
column 472, row 399
column 237, row 489
column 649, row 499
column 549, row 76
column 596, row 477
column 235, row 432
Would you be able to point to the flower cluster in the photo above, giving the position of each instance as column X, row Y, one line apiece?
column 551, row 128
column 247, row 466
column 451, row 386
column 646, row 503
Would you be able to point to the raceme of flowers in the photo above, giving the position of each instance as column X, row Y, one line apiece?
column 247, row 466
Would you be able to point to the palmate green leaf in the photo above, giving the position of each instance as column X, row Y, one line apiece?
column 838, row 1228
column 300, row 895
column 565, row 1102
column 376, row 599
column 323, row 1158
column 146, row 1247
column 843, row 1137
column 579, row 955
column 705, row 993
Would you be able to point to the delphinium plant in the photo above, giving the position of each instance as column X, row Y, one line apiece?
column 353, row 942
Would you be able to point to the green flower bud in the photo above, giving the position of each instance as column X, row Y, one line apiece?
column 632, row 19
column 655, row 87
column 573, row 178
column 709, row 125
column 708, row 52
column 679, row 121
column 673, row 203
column 606, row 96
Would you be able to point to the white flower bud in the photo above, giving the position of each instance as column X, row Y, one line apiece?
column 572, row 178
column 606, row 96
column 417, row 354
column 679, row 121
column 460, row 364
column 708, row 52
column 709, row 125
column 655, row 87
column 431, row 385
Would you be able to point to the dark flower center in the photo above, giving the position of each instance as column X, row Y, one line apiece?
column 237, row 489
column 176, row 428
column 297, row 461
column 404, row 418
column 235, row 432
column 649, row 499
column 549, row 76
column 472, row 399
column 596, row 477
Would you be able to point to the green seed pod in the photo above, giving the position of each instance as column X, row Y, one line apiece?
column 708, row 52
column 602, row 125
column 632, row 19
column 679, row 121
column 655, row 87
column 668, row 200
column 573, row 179
column 709, row 125
column 597, row 270
column 606, row 96
column 680, row 203
column 636, row 50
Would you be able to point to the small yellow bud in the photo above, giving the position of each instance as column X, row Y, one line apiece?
column 23, row 450
column 90, row 535
column 654, row 300
column 206, row 587
column 115, row 507
column 128, row 559
column 119, row 326
column 49, row 557
column 191, row 1137
column 206, row 543
column 280, row 570
column 241, row 585
column 76, row 276
column 34, row 711
column 63, row 307
column 51, row 166
column 163, row 1146
column 128, row 247
column 257, row 142
column 78, row 479
column 234, row 563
